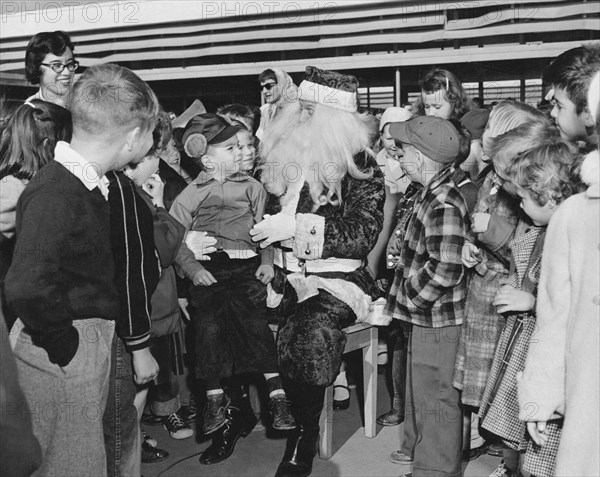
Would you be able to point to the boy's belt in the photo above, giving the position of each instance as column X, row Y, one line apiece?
column 287, row 261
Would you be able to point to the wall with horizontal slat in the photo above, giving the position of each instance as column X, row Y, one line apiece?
column 183, row 39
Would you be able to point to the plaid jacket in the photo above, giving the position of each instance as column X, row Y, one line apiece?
column 433, row 286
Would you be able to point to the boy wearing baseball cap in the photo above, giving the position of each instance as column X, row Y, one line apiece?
column 429, row 292
column 228, row 291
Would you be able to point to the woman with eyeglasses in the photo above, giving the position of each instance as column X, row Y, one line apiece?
column 49, row 62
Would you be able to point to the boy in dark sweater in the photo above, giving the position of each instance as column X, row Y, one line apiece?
column 62, row 279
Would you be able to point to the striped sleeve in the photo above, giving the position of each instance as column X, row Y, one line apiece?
column 137, row 268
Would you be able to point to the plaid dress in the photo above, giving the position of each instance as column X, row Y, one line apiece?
column 499, row 411
column 483, row 324
column 541, row 460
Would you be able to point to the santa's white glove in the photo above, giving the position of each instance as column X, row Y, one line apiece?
column 200, row 244
column 274, row 228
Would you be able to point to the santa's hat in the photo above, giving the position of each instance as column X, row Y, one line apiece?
column 330, row 88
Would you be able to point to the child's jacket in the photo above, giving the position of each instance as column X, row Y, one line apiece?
column 168, row 234
column 561, row 373
column 432, row 288
column 225, row 210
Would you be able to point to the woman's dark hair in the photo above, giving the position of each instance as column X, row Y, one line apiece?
column 267, row 74
column 439, row 79
column 29, row 137
column 55, row 42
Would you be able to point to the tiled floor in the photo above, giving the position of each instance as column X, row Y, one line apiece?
column 259, row 454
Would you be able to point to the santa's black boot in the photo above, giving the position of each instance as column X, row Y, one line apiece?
column 302, row 443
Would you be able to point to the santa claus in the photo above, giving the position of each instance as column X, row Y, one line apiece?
column 323, row 217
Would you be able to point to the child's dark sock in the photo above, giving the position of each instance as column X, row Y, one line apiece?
column 511, row 459
column 275, row 386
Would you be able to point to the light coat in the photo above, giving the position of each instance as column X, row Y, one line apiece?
column 561, row 372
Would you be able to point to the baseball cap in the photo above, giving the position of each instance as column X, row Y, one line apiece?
column 435, row 137
column 394, row 115
column 475, row 121
column 205, row 129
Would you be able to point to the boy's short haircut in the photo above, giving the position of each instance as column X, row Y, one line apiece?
column 108, row 97
column 267, row 74
column 573, row 71
column 546, row 172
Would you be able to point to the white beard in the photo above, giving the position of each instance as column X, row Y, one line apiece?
column 317, row 148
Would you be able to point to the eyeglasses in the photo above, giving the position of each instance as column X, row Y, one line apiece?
column 59, row 67
column 268, row 86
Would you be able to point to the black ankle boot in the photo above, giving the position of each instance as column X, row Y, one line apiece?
column 301, row 448
column 238, row 424
column 300, row 451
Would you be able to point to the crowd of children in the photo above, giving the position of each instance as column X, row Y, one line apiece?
column 129, row 242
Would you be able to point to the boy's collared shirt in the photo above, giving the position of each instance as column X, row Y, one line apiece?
column 433, row 286
column 226, row 210
column 77, row 165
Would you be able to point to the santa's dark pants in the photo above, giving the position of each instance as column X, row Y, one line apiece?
column 310, row 345
column 311, row 340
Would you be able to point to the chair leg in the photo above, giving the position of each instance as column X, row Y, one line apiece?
column 326, row 425
column 370, row 383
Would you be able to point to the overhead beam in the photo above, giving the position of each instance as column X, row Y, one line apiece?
column 97, row 21
column 390, row 60
column 347, row 41
column 170, row 35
